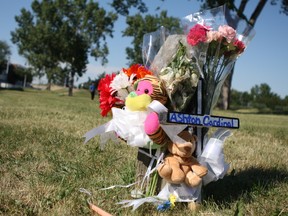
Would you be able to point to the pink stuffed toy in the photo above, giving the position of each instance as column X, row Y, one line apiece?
column 148, row 89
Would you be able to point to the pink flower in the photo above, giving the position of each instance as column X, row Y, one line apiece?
column 197, row 34
column 213, row 36
column 228, row 32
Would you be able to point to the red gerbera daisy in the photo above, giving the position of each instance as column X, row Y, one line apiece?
column 107, row 101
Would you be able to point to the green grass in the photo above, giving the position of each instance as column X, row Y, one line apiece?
column 44, row 163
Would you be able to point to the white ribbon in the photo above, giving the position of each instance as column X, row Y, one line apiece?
column 156, row 106
column 108, row 127
column 182, row 192
column 213, row 157
column 159, row 156
column 172, row 131
column 138, row 202
column 121, row 186
column 129, row 125
column 126, row 124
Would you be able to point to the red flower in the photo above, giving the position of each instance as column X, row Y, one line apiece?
column 197, row 34
column 107, row 101
column 139, row 70
column 240, row 45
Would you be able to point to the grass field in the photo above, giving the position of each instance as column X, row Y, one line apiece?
column 44, row 163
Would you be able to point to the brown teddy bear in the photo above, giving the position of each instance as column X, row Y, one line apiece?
column 179, row 165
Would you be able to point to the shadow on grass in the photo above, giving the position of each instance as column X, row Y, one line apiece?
column 232, row 187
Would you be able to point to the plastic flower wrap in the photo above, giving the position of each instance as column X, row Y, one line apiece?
column 181, row 78
column 216, row 44
column 173, row 64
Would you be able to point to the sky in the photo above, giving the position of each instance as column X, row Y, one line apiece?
column 264, row 60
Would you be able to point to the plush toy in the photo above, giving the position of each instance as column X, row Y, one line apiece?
column 148, row 89
column 179, row 165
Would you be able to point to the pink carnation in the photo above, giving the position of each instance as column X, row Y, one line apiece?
column 240, row 45
column 197, row 34
column 213, row 36
column 228, row 32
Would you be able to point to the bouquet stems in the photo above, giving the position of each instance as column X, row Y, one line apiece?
column 152, row 186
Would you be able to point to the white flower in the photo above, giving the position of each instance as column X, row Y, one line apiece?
column 122, row 94
column 122, row 85
column 121, row 81
column 168, row 75
column 194, row 79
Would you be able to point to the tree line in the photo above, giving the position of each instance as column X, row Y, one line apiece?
column 260, row 97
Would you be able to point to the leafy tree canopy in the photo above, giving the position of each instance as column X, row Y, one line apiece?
column 63, row 32
column 138, row 25
column 5, row 51
column 261, row 97
column 122, row 6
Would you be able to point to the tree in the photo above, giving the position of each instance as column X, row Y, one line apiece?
column 263, row 97
column 240, row 10
column 62, row 33
column 144, row 25
column 240, row 99
column 260, row 97
column 5, row 51
column 123, row 6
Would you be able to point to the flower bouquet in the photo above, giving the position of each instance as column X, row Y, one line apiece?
column 178, row 68
column 194, row 66
column 216, row 44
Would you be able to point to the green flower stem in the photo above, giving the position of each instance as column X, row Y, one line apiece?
column 215, row 70
column 152, row 185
